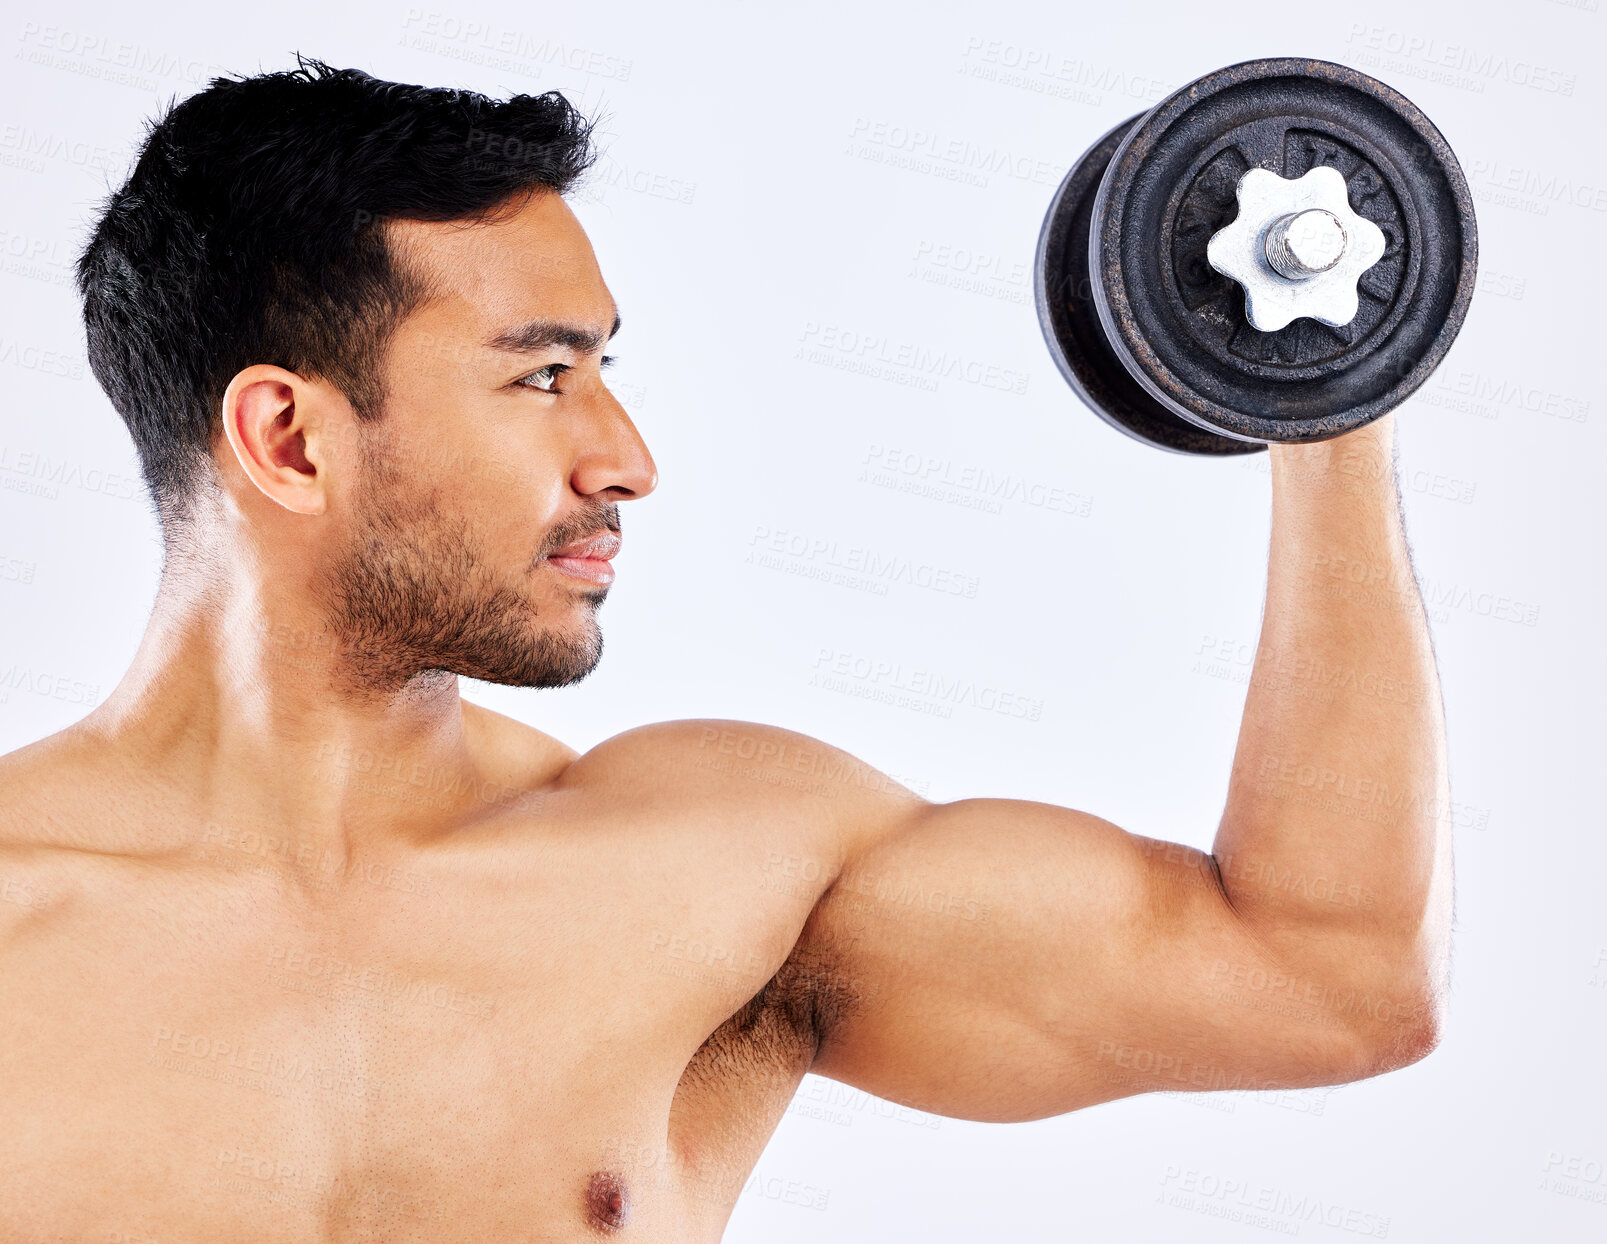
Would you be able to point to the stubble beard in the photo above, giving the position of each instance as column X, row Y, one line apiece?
column 413, row 599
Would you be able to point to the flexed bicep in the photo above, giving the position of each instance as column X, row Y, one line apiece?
column 1001, row 960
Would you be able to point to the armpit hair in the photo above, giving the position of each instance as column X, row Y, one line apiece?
column 784, row 1024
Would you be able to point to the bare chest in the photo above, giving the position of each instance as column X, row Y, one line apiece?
column 185, row 1060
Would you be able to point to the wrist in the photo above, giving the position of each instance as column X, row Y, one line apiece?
column 1358, row 461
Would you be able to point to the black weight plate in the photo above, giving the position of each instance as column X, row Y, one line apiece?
column 1180, row 326
column 1071, row 325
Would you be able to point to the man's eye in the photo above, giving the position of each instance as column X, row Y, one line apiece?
column 546, row 380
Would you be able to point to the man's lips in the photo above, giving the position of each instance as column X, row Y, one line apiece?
column 589, row 558
column 603, row 546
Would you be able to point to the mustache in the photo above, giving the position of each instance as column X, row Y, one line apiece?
column 589, row 520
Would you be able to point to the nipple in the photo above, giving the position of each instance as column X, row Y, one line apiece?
column 608, row 1203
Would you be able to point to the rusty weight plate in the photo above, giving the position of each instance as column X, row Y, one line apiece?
column 1177, row 327
column 1070, row 319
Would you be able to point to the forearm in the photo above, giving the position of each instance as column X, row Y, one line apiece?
column 1335, row 839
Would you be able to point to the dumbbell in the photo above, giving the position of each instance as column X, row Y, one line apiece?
column 1282, row 250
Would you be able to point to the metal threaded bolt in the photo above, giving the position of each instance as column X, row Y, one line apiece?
column 1303, row 244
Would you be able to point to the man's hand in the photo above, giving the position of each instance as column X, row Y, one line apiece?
column 1001, row 959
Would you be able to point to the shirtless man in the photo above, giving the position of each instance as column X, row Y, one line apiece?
column 297, row 945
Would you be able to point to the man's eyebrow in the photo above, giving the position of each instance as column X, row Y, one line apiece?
column 544, row 334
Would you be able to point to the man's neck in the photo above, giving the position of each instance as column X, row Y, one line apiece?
column 246, row 702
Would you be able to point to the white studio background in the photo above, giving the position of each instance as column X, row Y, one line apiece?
column 784, row 232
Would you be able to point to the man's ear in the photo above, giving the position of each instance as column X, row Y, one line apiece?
column 277, row 423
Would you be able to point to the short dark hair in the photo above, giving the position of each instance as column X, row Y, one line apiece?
column 251, row 231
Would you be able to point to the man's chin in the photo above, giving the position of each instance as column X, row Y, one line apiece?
column 547, row 660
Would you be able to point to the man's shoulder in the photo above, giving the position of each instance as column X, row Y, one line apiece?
column 766, row 819
column 757, row 796
column 746, row 760
column 47, row 775
column 50, row 796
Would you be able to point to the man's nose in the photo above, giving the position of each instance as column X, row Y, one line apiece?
column 614, row 457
